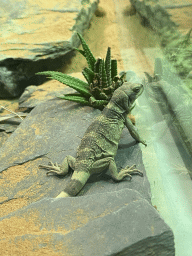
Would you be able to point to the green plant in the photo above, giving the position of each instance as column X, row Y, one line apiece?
column 101, row 76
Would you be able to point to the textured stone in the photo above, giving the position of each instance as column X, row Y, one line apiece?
column 34, row 95
column 106, row 218
column 37, row 36
column 115, row 223
column 51, row 131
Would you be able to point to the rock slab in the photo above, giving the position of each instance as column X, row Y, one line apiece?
column 37, row 36
column 115, row 223
column 106, row 218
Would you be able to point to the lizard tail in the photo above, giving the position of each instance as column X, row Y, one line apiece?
column 76, row 183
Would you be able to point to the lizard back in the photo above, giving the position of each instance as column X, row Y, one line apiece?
column 100, row 140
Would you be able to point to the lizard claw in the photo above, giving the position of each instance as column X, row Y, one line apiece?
column 128, row 171
column 53, row 168
column 144, row 143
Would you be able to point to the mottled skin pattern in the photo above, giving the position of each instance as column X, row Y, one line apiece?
column 99, row 145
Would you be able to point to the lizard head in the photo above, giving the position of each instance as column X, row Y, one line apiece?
column 125, row 96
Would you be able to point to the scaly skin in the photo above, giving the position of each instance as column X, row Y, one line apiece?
column 99, row 145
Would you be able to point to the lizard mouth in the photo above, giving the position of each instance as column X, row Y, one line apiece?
column 132, row 106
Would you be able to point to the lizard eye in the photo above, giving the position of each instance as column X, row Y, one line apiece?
column 136, row 89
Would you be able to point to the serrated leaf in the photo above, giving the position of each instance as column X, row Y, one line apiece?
column 81, row 51
column 75, row 98
column 75, row 94
column 88, row 74
column 113, row 68
column 98, row 103
column 72, row 82
column 108, row 66
column 88, row 54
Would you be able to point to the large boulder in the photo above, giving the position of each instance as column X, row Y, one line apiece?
column 37, row 36
column 112, row 223
column 106, row 218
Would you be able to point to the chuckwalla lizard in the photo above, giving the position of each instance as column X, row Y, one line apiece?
column 99, row 144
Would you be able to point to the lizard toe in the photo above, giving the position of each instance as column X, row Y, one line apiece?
column 53, row 168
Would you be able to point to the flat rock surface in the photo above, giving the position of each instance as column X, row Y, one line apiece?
column 102, row 224
column 28, row 27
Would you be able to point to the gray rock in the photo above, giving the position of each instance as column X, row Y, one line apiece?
column 34, row 95
column 3, row 137
column 37, row 37
column 50, row 132
column 29, row 90
column 106, row 218
column 113, row 223
column 8, row 124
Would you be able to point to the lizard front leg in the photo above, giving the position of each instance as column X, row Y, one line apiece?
column 133, row 131
column 62, row 169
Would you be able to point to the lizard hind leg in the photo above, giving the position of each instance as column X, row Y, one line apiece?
column 62, row 169
column 127, row 172
column 79, row 178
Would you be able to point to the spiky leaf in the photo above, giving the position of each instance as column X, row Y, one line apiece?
column 88, row 74
column 98, row 103
column 108, row 66
column 97, row 64
column 76, row 98
column 81, row 51
column 102, row 73
column 113, row 68
column 72, row 82
column 88, row 54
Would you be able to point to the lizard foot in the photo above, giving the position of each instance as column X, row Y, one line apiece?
column 53, row 168
column 128, row 171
